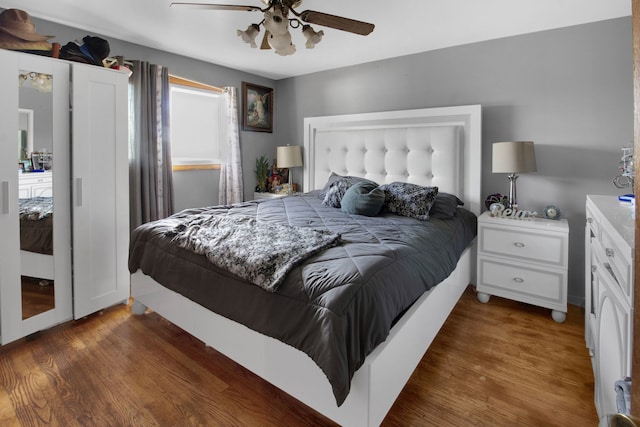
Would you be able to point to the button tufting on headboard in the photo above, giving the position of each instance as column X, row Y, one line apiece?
column 436, row 146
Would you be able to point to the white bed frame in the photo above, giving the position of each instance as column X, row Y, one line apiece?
column 36, row 265
column 437, row 146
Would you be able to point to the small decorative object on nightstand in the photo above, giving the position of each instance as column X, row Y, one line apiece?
column 525, row 261
column 261, row 171
column 551, row 212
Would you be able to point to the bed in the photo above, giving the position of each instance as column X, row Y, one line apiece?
column 36, row 237
column 436, row 147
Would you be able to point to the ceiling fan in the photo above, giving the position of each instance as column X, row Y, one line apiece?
column 276, row 21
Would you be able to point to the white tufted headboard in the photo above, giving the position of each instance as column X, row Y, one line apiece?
column 432, row 146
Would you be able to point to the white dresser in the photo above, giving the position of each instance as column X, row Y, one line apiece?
column 524, row 260
column 35, row 184
column 609, row 243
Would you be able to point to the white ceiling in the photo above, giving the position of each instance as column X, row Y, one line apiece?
column 402, row 27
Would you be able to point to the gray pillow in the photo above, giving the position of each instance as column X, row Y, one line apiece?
column 410, row 200
column 335, row 177
column 363, row 198
column 445, row 206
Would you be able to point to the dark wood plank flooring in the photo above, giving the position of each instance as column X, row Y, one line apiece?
column 38, row 296
column 497, row 364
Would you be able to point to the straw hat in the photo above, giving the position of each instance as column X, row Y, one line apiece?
column 17, row 31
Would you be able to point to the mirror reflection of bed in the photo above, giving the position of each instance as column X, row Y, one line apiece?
column 35, row 193
column 36, row 244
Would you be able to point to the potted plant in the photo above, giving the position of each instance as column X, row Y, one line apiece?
column 262, row 170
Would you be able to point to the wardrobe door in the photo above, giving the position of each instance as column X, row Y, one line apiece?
column 35, row 274
column 100, row 186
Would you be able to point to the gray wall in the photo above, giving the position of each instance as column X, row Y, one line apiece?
column 568, row 90
column 253, row 144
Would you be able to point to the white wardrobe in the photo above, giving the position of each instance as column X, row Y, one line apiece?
column 80, row 117
column 609, row 243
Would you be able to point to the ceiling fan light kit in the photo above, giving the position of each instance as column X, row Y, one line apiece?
column 313, row 37
column 249, row 35
column 277, row 22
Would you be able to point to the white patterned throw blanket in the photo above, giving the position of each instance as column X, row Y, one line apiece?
column 36, row 208
column 257, row 251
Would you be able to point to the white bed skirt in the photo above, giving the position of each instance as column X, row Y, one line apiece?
column 375, row 386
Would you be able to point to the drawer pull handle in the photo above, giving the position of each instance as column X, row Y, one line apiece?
column 79, row 192
column 518, row 245
column 590, row 220
column 518, row 279
column 5, row 197
column 609, row 252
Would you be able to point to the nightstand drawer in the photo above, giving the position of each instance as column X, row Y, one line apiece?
column 524, row 245
column 522, row 282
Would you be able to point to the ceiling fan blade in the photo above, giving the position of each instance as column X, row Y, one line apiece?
column 336, row 22
column 265, row 41
column 212, row 6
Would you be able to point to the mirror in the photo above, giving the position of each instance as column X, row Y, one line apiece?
column 35, row 192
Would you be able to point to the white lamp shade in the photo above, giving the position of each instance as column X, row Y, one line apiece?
column 289, row 156
column 513, row 157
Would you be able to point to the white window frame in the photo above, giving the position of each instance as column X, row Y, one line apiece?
column 199, row 162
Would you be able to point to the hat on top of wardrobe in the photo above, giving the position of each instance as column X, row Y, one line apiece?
column 92, row 50
column 18, row 32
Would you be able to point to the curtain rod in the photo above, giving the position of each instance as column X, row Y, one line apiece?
column 109, row 62
column 192, row 83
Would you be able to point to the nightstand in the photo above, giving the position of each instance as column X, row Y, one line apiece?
column 524, row 260
column 258, row 196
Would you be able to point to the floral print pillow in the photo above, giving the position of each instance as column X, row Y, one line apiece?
column 412, row 200
column 335, row 193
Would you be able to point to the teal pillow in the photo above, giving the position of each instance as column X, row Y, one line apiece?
column 363, row 198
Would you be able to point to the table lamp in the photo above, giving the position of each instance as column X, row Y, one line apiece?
column 513, row 158
column 289, row 156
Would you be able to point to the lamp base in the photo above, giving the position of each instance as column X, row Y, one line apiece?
column 513, row 200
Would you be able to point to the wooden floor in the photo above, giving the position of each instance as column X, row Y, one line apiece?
column 38, row 296
column 496, row 364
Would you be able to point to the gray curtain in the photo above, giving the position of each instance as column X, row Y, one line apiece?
column 150, row 173
column 231, row 188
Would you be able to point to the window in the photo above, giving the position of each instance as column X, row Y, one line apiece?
column 198, row 126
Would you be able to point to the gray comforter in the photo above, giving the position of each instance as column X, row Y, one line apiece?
column 36, row 225
column 337, row 305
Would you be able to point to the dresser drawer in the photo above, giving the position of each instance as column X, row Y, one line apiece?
column 593, row 222
column 618, row 262
column 523, row 282
column 524, row 245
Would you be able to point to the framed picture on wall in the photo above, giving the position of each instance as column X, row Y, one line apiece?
column 257, row 108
